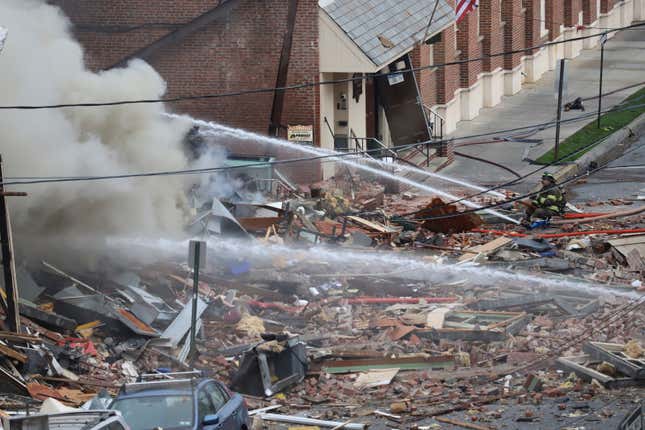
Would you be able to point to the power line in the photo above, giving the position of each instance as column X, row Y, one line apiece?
column 60, row 179
column 531, row 194
column 545, row 166
column 308, row 84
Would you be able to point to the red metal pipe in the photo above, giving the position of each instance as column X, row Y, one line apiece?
column 395, row 300
column 590, row 232
column 555, row 235
column 583, row 215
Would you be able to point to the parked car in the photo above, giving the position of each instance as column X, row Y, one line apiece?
column 181, row 401
column 78, row 420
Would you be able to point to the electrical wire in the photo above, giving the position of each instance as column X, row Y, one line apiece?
column 527, row 195
column 309, row 84
column 55, row 179
column 40, row 180
column 545, row 166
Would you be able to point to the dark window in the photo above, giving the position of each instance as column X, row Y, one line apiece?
column 156, row 411
column 216, row 395
column 115, row 425
column 204, row 405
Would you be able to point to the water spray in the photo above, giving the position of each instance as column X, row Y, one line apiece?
column 217, row 130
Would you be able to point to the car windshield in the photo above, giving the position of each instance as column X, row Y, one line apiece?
column 167, row 412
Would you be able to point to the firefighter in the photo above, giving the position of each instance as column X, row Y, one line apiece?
column 549, row 202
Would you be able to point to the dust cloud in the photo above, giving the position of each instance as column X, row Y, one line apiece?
column 41, row 64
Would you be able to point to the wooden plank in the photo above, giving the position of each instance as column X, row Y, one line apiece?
column 635, row 260
column 627, row 240
column 258, row 223
column 12, row 353
column 486, row 248
column 372, row 225
column 15, row 337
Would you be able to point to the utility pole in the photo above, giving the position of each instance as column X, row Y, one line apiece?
column 196, row 257
column 603, row 40
column 8, row 263
column 559, row 114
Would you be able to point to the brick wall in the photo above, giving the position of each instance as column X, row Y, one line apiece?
column 240, row 51
column 572, row 9
column 532, row 24
column 590, row 13
column 490, row 21
column 426, row 78
column 513, row 30
column 447, row 77
column 606, row 5
column 469, row 46
column 554, row 17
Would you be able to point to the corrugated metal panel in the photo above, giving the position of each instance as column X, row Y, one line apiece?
column 399, row 23
column 181, row 325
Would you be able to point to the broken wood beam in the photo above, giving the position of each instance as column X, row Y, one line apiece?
column 16, row 337
column 12, row 353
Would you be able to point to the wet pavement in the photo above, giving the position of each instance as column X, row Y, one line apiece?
column 624, row 179
column 536, row 103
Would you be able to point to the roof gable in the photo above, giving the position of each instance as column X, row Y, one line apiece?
column 385, row 29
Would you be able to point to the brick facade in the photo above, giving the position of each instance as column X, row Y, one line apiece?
column 240, row 51
column 554, row 17
column 469, row 46
column 490, row 21
column 589, row 11
column 572, row 9
column 532, row 22
column 513, row 24
column 427, row 78
column 447, row 77
column 606, row 5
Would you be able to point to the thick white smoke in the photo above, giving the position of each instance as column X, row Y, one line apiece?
column 42, row 64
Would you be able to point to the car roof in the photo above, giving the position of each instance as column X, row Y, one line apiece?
column 162, row 387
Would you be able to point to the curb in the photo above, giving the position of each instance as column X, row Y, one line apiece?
column 607, row 150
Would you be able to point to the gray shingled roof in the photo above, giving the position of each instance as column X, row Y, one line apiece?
column 401, row 22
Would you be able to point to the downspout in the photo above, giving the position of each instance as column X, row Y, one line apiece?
column 283, row 70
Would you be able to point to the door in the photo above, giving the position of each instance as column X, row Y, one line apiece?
column 206, row 407
column 227, row 408
column 399, row 95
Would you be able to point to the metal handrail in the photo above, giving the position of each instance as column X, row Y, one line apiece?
column 437, row 132
column 357, row 145
column 380, row 144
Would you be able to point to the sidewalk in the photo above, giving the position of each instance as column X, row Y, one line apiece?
column 536, row 103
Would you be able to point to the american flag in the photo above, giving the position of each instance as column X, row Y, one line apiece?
column 465, row 6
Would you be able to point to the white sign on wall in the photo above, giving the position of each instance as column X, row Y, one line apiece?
column 301, row 134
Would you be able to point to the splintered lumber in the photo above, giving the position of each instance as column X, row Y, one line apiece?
column 17, row 337
column 12, row 353
column 462, row 424
column 486, row 248
column 372, row 225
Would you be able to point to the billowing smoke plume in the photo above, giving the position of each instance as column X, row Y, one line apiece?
column 42, row 64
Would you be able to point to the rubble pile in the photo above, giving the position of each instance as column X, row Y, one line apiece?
column 331, row 331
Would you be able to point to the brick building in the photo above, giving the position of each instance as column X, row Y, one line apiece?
column 215, row 46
